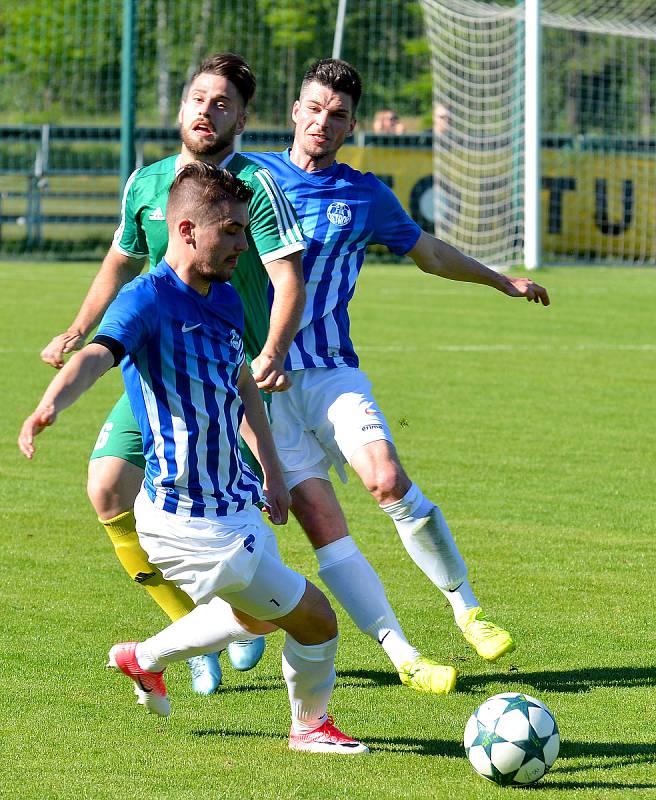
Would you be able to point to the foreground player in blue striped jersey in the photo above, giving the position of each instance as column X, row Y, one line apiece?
column 177, row 333
column 212, row 112
column 330, row 415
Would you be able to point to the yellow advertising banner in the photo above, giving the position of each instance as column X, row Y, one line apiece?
column 601, row 205
column 408, row 171
column 593, row 204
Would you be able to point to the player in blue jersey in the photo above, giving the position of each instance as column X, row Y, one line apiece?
column 212, row 112
column 330, row 416
column 177, row 332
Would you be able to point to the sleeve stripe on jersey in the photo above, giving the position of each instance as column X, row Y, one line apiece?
column 119, row 231
column 279, row 203
column 281, row 252
column 287, row 225
column 129, row 253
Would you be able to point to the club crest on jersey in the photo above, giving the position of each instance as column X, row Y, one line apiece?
column 339, row 214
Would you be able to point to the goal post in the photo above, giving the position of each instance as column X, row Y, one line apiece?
column 532, row 135
column 550, row 150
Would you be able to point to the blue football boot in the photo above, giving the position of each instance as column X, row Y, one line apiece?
column 205, row 673
column 244, row 655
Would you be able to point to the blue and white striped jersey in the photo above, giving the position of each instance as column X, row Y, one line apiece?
column 183, row 357
column 341, row 210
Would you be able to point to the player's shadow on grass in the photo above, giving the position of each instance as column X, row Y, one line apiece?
column 598, row 756
column 593, row 755
column 606, row 755
column 575, row 680
column 550, row 783
column 263, row 683
column 363, row 678
column 355, row 678
column 391, row 744
column 569, row 681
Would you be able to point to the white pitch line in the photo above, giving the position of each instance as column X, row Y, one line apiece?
column 35, row 277
column 500, row 348
column 466, row 348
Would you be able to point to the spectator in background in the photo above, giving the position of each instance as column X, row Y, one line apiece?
column 441, row 119
column 387, row 122
column 445, row 202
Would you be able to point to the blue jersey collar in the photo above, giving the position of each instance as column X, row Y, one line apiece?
column 318, row 176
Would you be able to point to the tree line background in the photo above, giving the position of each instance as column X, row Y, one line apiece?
column 61, row 61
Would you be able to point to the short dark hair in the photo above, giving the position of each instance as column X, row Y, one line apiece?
column 338, row 75
column 201, row 189
column 232, row 67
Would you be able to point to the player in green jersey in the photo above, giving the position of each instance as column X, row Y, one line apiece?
column 212, row 113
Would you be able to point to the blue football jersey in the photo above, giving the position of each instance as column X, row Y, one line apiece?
column 341, row 211
column 183, row 356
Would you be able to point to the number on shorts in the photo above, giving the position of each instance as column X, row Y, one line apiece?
column 103, row 436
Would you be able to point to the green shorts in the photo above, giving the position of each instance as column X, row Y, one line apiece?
column 120, row 437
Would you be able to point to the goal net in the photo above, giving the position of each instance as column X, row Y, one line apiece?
column 598, row 128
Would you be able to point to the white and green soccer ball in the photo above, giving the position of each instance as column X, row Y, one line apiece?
column 512, row 739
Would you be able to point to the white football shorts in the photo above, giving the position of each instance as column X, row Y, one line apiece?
column 235, row 558
column 325, row 416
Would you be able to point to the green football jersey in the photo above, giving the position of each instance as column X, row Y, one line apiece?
column 273, row 232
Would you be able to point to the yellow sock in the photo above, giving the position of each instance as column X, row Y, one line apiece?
column 123, row 533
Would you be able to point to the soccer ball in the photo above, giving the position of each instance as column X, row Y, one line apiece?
column 512, row 739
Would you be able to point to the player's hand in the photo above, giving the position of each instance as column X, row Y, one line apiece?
column 525, row 287
column 67, row 342
column 33, row 425
column 269, row 373
column 277, row 501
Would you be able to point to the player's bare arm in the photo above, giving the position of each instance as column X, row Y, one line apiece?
column 115, row 271
column 256, row 433
column 78, row 375
column 286, row 276
column 436, row 257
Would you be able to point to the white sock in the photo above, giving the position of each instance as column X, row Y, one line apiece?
column 462, row 599
column 309, row 671
column 210, row 627
column 433, row 550
column 357, row 588
column 412, row 506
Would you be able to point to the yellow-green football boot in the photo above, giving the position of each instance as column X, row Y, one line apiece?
column 489, row 640
column 425, row 675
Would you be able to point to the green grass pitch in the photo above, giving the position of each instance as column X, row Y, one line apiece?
column 532, row 427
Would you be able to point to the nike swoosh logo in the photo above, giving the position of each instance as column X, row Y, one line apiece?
column 140, row 577
column 186, row 328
